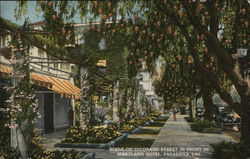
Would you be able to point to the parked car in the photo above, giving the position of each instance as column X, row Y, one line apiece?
column 199, row 113
column 224, row 116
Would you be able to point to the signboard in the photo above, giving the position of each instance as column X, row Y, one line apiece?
column 102, row 63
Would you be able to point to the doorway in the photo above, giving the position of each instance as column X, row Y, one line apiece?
column 48, row 113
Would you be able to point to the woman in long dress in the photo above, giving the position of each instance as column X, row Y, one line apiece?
column 174, row 114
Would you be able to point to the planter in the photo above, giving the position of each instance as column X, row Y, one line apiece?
column 89, row 156
column 94, row 145
column 136, row 130
column 146, row 124
column 212, row 130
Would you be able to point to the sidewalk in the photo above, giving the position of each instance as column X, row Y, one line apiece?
column 178, row 135
column 174, row 135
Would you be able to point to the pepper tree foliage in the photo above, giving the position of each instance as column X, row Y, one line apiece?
column 155, row 38
column 114, row 35
column 180, row 16
column 57, row 12
column 227, row 17
column 202, row 43
column 223, row 17
column 180, row 77
column 216, row 25
column 213, row 30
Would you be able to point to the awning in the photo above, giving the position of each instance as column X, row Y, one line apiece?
column 4, row 71
column 64, row 87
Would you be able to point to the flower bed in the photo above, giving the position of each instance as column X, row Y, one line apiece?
column 156, row 114
column 230, row 150
column 9, row 153
column 127, row 128
column 102, row 136
column 137, row 121
column 141, row 121
column 92, row 135
column 205, row 127
column 38, row 152
column 60, row 154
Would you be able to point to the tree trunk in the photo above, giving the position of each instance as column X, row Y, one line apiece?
column 245, row 121
column 129, row 104
column 207, row 101
column 245, row 128
column 135, row 92
column 22, row 131
column 191, row 109
column 85, row 97
column 18, row 141
column 116, row 104
column 208, row 105
column 110, row 99
column 139, row 102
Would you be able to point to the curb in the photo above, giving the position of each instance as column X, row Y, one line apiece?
column 136, row 130
column 103, row 146
column 97, row 146
column 89, row 156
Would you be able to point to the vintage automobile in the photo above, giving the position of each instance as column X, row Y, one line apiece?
column 224, row 116
column 199, row 113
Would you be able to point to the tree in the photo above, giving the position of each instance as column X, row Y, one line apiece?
column 206, row 20
column 210, row 14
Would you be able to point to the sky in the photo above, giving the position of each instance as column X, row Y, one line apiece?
column 7, row 11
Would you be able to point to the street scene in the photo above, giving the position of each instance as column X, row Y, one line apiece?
column 156, row 79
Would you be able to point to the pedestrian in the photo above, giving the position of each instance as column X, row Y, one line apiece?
column 174, row 114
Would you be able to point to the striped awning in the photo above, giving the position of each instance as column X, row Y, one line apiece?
column 64, row 87
column 4, row 71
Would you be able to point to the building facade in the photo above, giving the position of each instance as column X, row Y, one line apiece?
column 56, row 91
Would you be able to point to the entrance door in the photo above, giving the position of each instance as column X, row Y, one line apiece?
column 48, row 112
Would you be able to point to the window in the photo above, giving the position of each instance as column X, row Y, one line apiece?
column 40, row 53
column 102, row 44
column 2, row 41
column 49, row 60
column 56, row 65
column 42, row 67
column 67, row 67
column 61, row 66
column 79, row 39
